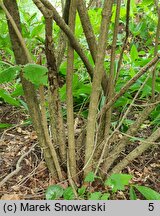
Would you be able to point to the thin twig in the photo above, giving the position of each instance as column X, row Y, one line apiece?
column 18, row 167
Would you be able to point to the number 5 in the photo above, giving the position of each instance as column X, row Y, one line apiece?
column 151, row 206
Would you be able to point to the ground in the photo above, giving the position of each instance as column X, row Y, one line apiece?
column 33, row 178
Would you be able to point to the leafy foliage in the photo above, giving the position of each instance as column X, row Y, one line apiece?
column 5, row 125
column 9, row 74
column 148, row 193
column 37, row 74
column 7, row 98
column 54, row 192
column 132, row 193
column 117, row 182
column 95, row 196
column 68, row 194
column 90, row 177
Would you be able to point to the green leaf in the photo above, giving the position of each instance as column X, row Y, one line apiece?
column 7, row 98
column 134, row 53
column 68, row 194
column 18, row 91
column 132, row 194
column 118, row 181
column 36, row 74
column 147, row 2
column 156, row 120
column 54, row 192
column 121, row 102
column 63, row 67
column 85, row 114
column 148, row 193
column 146, row 91
column 23, row 103
column 62, row 92
column 32, row 18
column 4, row 64
column 37, row 30
column 105, row 196
column 9, row 74
column 132, row 72
column 128, row 122
column 81, row 190
column 90, row 177
column 82, row 91
column 95, row 196
column 133, row 7
column 3, row 125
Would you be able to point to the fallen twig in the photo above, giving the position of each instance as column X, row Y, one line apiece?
column 18, row 167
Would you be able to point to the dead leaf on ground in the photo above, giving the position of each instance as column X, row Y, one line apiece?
column 11, row 197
